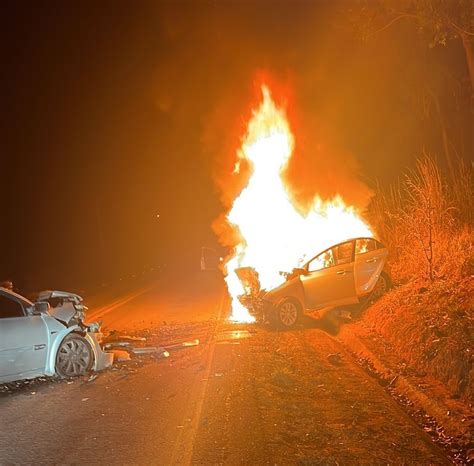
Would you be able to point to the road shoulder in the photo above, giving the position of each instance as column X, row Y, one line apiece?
column 446, row 419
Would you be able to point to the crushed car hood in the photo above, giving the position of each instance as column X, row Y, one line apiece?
column 68, row 305
column 248, row 276
column 49, row 294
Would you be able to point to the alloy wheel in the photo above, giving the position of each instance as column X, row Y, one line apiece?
column 74, row 357
column 380, row 287
column 288, row 313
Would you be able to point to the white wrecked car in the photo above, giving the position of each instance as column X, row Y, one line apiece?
column 344, row 274
column 47, row 337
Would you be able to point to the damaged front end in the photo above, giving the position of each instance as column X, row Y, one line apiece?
column 68, row 309
column 253, row 298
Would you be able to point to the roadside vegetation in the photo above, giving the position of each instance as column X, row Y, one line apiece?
column 426, row 221
column 419, row 335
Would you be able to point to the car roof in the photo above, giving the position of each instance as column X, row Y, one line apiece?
column 6, row 291
column 342, row 242
column 351, row 239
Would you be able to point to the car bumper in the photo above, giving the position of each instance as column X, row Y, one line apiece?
column 102, row 359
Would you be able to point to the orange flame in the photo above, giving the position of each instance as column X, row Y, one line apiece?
column 275, row 236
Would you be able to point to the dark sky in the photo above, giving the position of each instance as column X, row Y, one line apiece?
column 117, row 111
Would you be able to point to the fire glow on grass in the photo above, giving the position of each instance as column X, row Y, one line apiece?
column 275, row 236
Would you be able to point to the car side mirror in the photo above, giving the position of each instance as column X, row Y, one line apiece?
column 40, row 307
column 297, row 271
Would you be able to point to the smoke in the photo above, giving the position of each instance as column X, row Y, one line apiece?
column 321, row 166
column 219, row 54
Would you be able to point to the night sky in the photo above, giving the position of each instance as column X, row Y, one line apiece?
column 114, row 112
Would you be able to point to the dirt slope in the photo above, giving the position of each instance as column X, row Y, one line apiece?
column 419, row 340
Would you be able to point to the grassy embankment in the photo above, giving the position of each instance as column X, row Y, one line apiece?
column 426, row 221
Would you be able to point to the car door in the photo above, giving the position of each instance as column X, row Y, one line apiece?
column 370, row 257
column 329, row 278
column 23, row 340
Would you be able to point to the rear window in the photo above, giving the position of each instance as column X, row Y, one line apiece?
column 10, row 308
column 364, row 245
column 344, row 253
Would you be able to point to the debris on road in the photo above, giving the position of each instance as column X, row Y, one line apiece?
column 123, row 348
column 121, row 355
column 113, row 337
column 335, row 359
column 230, row 336
column 150, row 350
column 117, row 344
column 125, row 352
column 185, row 344
column 27, row 385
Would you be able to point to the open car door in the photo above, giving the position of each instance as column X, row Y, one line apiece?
column 329, row 278
column 370, row 257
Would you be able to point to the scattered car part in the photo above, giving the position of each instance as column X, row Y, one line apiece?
column 121, row 355
column 185, row 344
column 112, row 338
column 117, row 344
column 230, row 335
column 149, row 350
column 335, row 359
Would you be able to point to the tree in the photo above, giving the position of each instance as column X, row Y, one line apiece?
column 439, row 21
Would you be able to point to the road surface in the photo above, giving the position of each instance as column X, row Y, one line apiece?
column 244, row 395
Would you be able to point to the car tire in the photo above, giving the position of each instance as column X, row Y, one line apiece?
column 74, row 357
column 287, row 313
column 381, row 287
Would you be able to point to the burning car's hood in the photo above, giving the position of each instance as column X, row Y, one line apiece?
column 249, row 279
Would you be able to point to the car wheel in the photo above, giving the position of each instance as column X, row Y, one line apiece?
column 74, row 357
column 287, row 313
column 381, row 287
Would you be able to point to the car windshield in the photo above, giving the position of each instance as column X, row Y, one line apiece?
column 324, row 260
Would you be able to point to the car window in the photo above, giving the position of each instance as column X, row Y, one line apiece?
column 10, row 308
column 344, row 253
column 364, row 245
column 323, row 261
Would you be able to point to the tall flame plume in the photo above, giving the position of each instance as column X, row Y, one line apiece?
column 274, row 235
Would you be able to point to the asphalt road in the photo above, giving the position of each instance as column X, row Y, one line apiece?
column 244, row 395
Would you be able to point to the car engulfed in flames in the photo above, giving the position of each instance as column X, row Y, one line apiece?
column 273, row 232
column 344, row 274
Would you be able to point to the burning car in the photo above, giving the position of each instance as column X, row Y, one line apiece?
column 344, row 274
column 47, row 337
